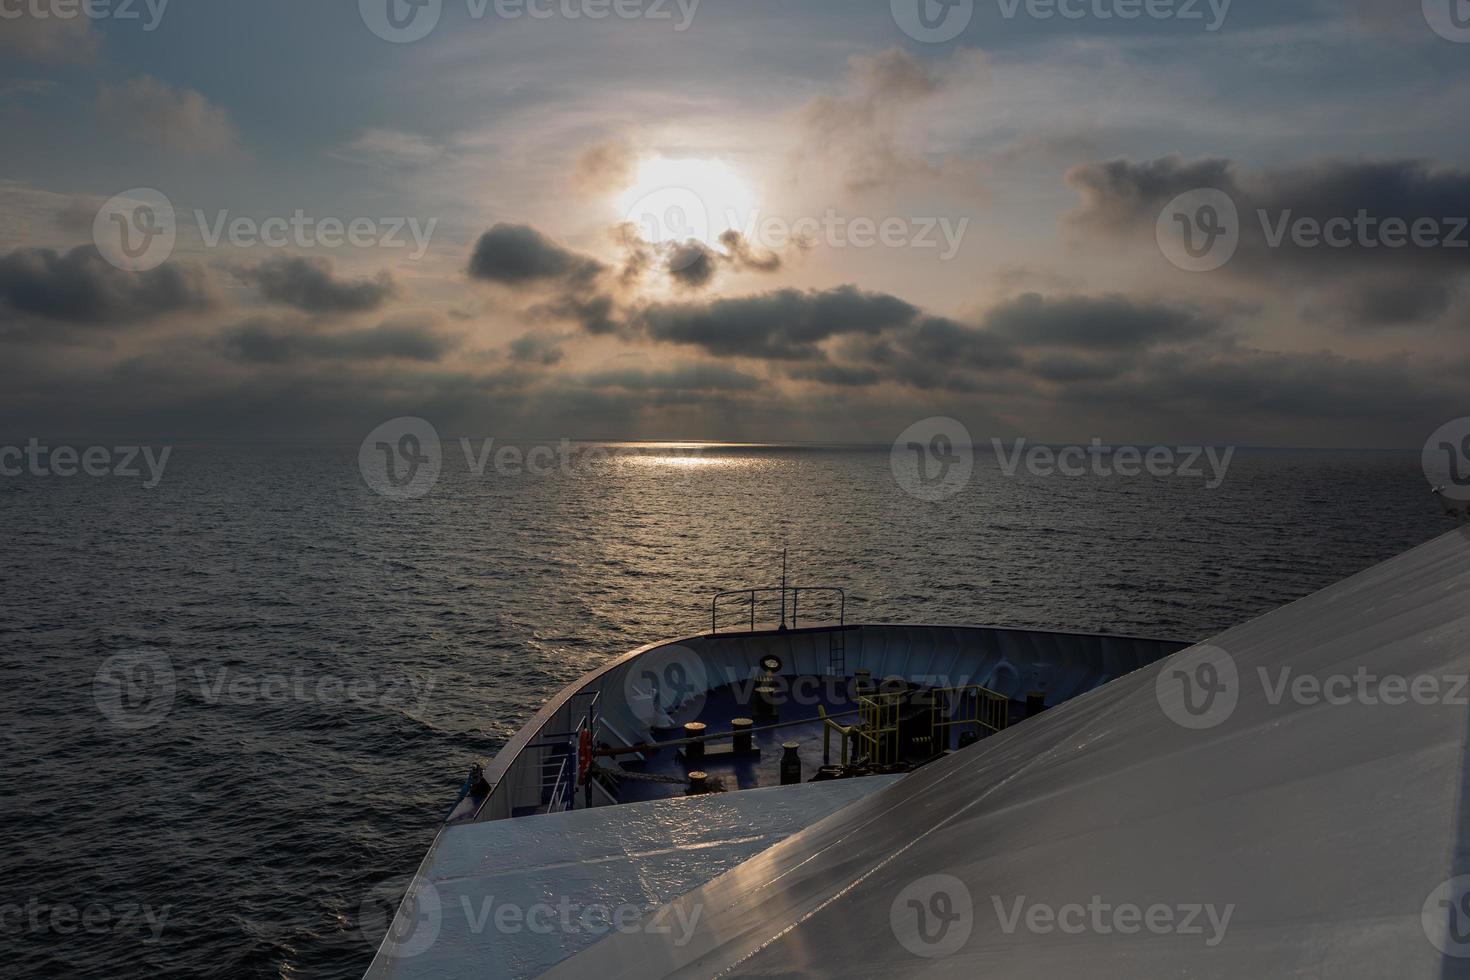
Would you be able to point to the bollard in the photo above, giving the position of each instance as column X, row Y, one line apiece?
column 694, row 751
column 765, row 701
column 790, row 764
column 744, row 738
column 698, row 782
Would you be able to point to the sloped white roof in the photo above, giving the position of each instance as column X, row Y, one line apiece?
column 507, row 899
column 1321, row 825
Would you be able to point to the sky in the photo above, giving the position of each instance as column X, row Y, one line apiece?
column 1175, row 221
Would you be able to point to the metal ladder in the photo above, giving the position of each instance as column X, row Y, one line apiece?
column 837, row 653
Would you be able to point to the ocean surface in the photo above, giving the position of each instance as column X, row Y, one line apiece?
column 236, row 705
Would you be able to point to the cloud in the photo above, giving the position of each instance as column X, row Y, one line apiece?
column 739, row 252
column 309, row 285
column 839, row 375
column 684, row 378
column 868, row 132
column 1365, row 282
column 596, row 313
column 605, row 166
column 82, row 287
column 390, row 148
column 1105, row 322
column 694, row 265
column 516, row 255
column 787, row 324
column 538, row 348
column 177, row 119
column 268, row 341
column 50, row 40
column 690, row 264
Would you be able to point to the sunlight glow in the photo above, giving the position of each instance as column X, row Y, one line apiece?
column 675, row 200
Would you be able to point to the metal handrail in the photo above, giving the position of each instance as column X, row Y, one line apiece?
column 557, row 799
column 558, row 788
column 795, row 593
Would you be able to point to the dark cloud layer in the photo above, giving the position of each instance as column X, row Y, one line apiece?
column 787, row 324
column 516, row 255
column 264, row 341
column 308, row 284
column 83, row 287
column 537, row 348
column 693, row 264
column 692, row 377
column 1368, row 280
column 1110, row 322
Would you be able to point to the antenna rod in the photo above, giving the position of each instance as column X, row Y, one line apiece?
column 783, row 589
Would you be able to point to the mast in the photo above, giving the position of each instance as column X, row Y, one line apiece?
column 783, row 588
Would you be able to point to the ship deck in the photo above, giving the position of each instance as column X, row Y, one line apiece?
column 797, row 716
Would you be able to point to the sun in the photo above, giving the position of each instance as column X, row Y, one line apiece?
column 675, row 200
